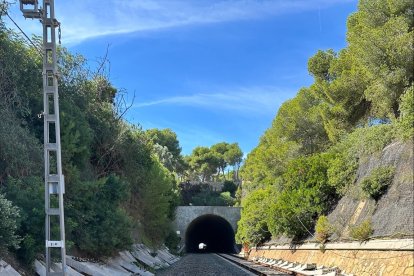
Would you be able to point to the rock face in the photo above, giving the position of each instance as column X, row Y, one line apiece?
column 393, row 214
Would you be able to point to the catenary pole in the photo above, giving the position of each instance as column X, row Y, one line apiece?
column 54, row 180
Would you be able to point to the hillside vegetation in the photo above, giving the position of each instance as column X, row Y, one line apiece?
column 361, row 101
column 116, row 186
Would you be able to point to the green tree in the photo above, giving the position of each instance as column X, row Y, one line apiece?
column 157, row 200
column 342, row 104
column 204, row 163
column 354, row 147
column 380, row 39
column 234, row 157
column 306, row 194
column 102, row 226
column 252, row 228
column 266, row 163
column 406, row 121
column 166, row 138
column 221, row 149
column 299, row 120
column 27, row 194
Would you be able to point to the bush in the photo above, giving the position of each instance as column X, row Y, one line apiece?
column 209, row 198
column 363, row 231
column 306, row 195
column 358, row 145
column 341, row 172
column 102, row 226
column 227, row 198
column 156, row 201
column 203, row 195
column 323, row 229
column 406, row 121
column 252, row 227
column 172, row 241
column 229, row 186
column 8, row 224
column 28, row 194
column 376, row 184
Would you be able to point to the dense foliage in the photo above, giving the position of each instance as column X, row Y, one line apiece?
column 209, row 164
column 204, row 194
column 362, row 231
column 376, row 184
column 323, row 229
column 360, row 101
column 305, row 195
column 8, row 225
column 118, row 185
column 253, row 225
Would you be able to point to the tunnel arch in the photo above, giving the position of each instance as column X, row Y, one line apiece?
column 213, row 230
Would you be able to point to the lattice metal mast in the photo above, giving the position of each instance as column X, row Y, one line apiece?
column 54, row 181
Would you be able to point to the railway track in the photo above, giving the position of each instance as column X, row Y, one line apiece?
column 204, row 265
column 255, row 269
column 265, row 266
column 228, row 264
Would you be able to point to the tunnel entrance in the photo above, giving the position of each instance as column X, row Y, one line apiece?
column 212, row 230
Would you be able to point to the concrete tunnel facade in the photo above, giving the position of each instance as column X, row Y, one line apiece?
column 213, row 225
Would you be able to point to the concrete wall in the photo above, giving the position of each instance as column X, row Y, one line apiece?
column 186, row 214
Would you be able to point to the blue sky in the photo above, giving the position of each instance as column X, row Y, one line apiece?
column 211, row 70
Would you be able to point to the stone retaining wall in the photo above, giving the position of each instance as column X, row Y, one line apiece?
column 357, row 262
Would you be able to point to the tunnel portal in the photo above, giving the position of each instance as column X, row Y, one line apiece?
column 212, row 230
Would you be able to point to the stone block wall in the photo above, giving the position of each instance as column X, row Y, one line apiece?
column 357, row 262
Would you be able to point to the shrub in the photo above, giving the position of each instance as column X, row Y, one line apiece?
column 229, row 186
column 405, row 123
column 357, row 145
column 306, row 195
column 376, row 184
column 28, row 195
column 102, row 226
column 206, row 198
column 363, row 231
column 172, row 241
column 8, row 224
column 323, row 229
column 227, row 198
column 341, row 172
column 252, row 227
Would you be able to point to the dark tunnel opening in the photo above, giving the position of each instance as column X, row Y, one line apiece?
column 212, row 230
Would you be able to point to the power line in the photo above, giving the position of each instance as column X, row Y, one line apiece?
column 21, row 30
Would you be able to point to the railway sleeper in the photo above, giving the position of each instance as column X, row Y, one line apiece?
column 262, row 266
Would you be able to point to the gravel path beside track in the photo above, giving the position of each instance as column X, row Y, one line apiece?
column 203, row 264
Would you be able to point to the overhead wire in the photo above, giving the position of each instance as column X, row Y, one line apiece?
column 21, row 30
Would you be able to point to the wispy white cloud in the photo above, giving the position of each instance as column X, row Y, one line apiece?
column 85, row 19
column 248, row 100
